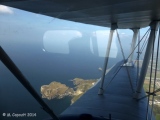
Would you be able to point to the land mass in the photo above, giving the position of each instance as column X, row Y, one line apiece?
column 156, row 102
column 59, row 90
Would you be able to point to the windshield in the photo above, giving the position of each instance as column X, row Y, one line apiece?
column 51, row 51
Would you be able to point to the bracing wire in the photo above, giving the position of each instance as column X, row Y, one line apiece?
column 148, row 102
column 120, row 46
column 130, row 81
column 127, row 58
column 150, row 82
column 155, row 72
column 152, row 93
column 155, row 75
column 138, row 43
column 143, row 46
column 145, row 43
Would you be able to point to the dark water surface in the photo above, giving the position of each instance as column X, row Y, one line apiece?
column 41, row 68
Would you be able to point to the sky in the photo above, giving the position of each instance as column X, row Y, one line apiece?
column 16, row 16
column 15, row 22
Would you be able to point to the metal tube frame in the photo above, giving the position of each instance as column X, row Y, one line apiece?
column 134, row 39
column 17, row 73
column 113, row 27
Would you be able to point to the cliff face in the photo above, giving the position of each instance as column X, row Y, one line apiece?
column 59, row 90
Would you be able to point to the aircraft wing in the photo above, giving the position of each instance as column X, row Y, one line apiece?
column 117, row 99
column 126, row 13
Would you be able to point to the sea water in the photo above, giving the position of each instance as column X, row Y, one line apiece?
column 41, row 68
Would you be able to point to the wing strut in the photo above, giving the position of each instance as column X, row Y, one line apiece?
column 113, row 27
column 130, row 81
column 134, row 39
column 17, row 73
column 154, row 28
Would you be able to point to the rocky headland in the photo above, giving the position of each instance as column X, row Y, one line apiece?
column 59, row 90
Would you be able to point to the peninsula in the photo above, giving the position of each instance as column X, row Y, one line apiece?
column 59, row 90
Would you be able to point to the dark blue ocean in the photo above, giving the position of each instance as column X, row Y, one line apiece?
column 41, row 68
